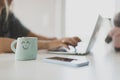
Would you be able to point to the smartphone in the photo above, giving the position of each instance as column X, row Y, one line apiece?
column 68, row 61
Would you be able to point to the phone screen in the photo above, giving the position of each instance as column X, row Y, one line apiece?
column 62, row 59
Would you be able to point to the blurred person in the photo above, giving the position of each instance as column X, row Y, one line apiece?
column 11, row 28
column 114, row 34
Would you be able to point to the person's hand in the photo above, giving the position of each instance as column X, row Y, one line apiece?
column 52, row 38
column 64, row 42
column 116, row 40
column 73, row 41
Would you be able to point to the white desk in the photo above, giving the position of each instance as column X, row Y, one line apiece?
column 104, row 65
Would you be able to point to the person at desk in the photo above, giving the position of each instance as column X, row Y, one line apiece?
column 11, row 28
column 114, row 34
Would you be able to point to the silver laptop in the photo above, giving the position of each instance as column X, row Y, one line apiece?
column 83, row 47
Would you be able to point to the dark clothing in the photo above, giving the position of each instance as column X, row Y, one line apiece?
column 108, row 39
column 11, row 28
column 117, row 49
column 114, row 33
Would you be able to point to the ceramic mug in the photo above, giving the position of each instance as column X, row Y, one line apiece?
column 26, row 48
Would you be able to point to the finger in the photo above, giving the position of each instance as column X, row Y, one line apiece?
column 69, row 41
column 74, row 41
column 65, row 45
column 77, row 39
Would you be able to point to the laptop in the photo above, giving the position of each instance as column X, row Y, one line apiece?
column 83, row 47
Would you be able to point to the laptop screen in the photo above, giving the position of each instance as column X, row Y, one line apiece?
column 88, row 41
column 95, row 31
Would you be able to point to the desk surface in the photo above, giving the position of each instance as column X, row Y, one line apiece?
column 104, row 65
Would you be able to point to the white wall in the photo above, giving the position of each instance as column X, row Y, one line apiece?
column 117, row 6
column 40, row 16
column 105, row 7
column 80, row 15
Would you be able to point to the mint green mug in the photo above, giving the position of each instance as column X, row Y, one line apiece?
column 26, row 48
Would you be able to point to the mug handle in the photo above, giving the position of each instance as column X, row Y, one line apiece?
column 13, row 45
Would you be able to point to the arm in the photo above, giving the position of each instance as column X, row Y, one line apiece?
column 5, row 45
column 40, row 37
column 55, row 44
column 50, row 45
